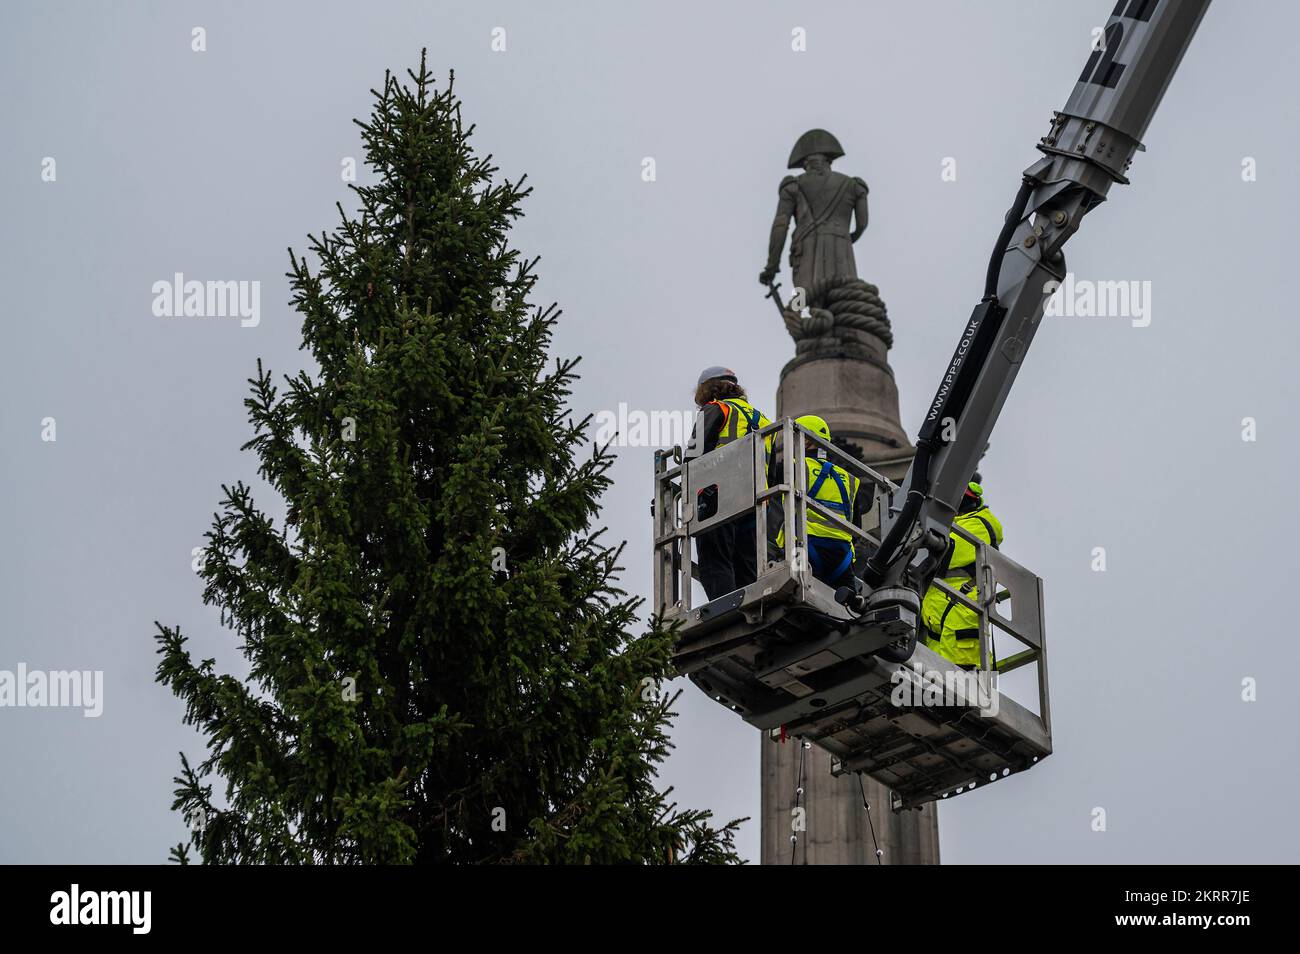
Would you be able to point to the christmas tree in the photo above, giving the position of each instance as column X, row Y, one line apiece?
column 441, row 665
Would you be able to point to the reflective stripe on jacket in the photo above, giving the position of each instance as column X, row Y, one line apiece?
column 739, row 417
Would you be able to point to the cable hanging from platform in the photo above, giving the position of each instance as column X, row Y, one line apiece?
column 862, row 785
column 798, row 797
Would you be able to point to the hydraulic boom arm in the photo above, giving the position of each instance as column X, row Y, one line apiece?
column 1088, row 147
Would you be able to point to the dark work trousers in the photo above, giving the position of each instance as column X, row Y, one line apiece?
column 727, row 556
column 831, row 560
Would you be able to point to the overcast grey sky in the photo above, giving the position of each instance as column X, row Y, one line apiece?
column 212, row 163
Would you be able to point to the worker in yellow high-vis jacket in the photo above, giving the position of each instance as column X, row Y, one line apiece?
column 954, row 628
column 830, row 549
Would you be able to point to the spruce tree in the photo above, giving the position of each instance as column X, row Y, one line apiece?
column 441, row 662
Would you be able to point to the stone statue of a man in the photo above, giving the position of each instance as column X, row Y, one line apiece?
column 830, row 213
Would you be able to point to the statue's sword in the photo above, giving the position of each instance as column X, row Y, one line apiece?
column 775, row 295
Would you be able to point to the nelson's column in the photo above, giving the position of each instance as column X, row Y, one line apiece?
column 841, row 372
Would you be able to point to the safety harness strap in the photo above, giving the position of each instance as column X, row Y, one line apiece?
column 964, row 589
column 947, row 571
column 993, row 537
column 733, row 424
column 843, row 564
column 830, row 470
column 814, row 557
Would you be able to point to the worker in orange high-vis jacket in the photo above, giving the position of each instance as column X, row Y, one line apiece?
column 728, row 554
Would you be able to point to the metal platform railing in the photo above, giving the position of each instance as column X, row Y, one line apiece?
column 739, row 471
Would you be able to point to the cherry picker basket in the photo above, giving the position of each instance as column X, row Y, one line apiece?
column 789, row 659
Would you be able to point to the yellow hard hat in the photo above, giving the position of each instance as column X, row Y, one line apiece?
column 815, row 424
